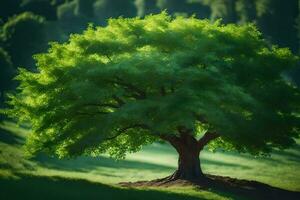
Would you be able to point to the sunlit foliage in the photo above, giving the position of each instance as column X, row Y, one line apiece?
column 115, row 88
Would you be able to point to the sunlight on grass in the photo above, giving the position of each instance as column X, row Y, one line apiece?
column 155, row 161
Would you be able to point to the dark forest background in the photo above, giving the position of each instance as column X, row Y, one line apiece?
column 27, row 26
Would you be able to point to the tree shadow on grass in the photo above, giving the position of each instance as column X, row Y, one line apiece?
column 86, row 164
column 251, row 189
column 292, row 154
column 55, row 188
column 221, row 185
column 9, row 138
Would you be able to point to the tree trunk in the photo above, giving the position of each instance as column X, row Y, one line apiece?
column 188, row 149
column 188, row 164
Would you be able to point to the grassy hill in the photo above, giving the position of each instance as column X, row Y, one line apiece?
column 97, row 178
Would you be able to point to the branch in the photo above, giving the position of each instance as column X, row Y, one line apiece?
column 140, row 93
column 162, row 91
column 172, row 89
column 102, row 105
column 92, row 114
column 173, row 140
column 108, row 57
column 200, row 118
column 118, row 100
column 121, row 131
column 207, row 137
column 183, row 131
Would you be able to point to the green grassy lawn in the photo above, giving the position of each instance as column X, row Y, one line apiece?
column 97, row 178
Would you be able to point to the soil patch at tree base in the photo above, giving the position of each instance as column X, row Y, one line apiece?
column 246, row 188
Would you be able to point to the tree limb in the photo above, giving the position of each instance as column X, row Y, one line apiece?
column 173, row 140
column 207, row 137
column 92, row 114
column 200, row 118
column 118, row 100
column 140, row 94
column 162, row 91
column 124, row 129
column 102, row 105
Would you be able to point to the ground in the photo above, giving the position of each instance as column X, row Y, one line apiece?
column 98, row 178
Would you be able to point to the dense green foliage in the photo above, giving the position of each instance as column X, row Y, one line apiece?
column 113, row 89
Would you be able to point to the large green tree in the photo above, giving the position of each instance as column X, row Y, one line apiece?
column 185, row 81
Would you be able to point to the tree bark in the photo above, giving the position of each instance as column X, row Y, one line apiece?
column 189, row 167
column 189, row 149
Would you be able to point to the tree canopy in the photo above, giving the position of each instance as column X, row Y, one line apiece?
column 116, row 88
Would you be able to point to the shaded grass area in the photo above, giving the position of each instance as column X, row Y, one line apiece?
column 11, row 150
column 280, row 170
column 34, row 187
column 26, row 186
column 242, row 188
column 156, row 161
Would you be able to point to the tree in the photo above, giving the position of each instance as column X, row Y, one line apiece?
column 184, row 7
column 105, row 9
column 173, row 5
column 6, row 73
column 246, row 10
column 275, row 18
column 73, row 16
column 145, row 7
column 278, row 22
column 85, row 8
column 185, row 81
column 24, row 35
column 225, row 9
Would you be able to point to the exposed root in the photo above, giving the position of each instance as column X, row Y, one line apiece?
column 174, row 179
column 252, row 189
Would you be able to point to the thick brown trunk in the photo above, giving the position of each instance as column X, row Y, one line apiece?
column 188, row 158
column 189, row 167
column 188, row 149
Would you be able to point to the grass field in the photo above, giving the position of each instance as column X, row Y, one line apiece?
column 97, row 178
